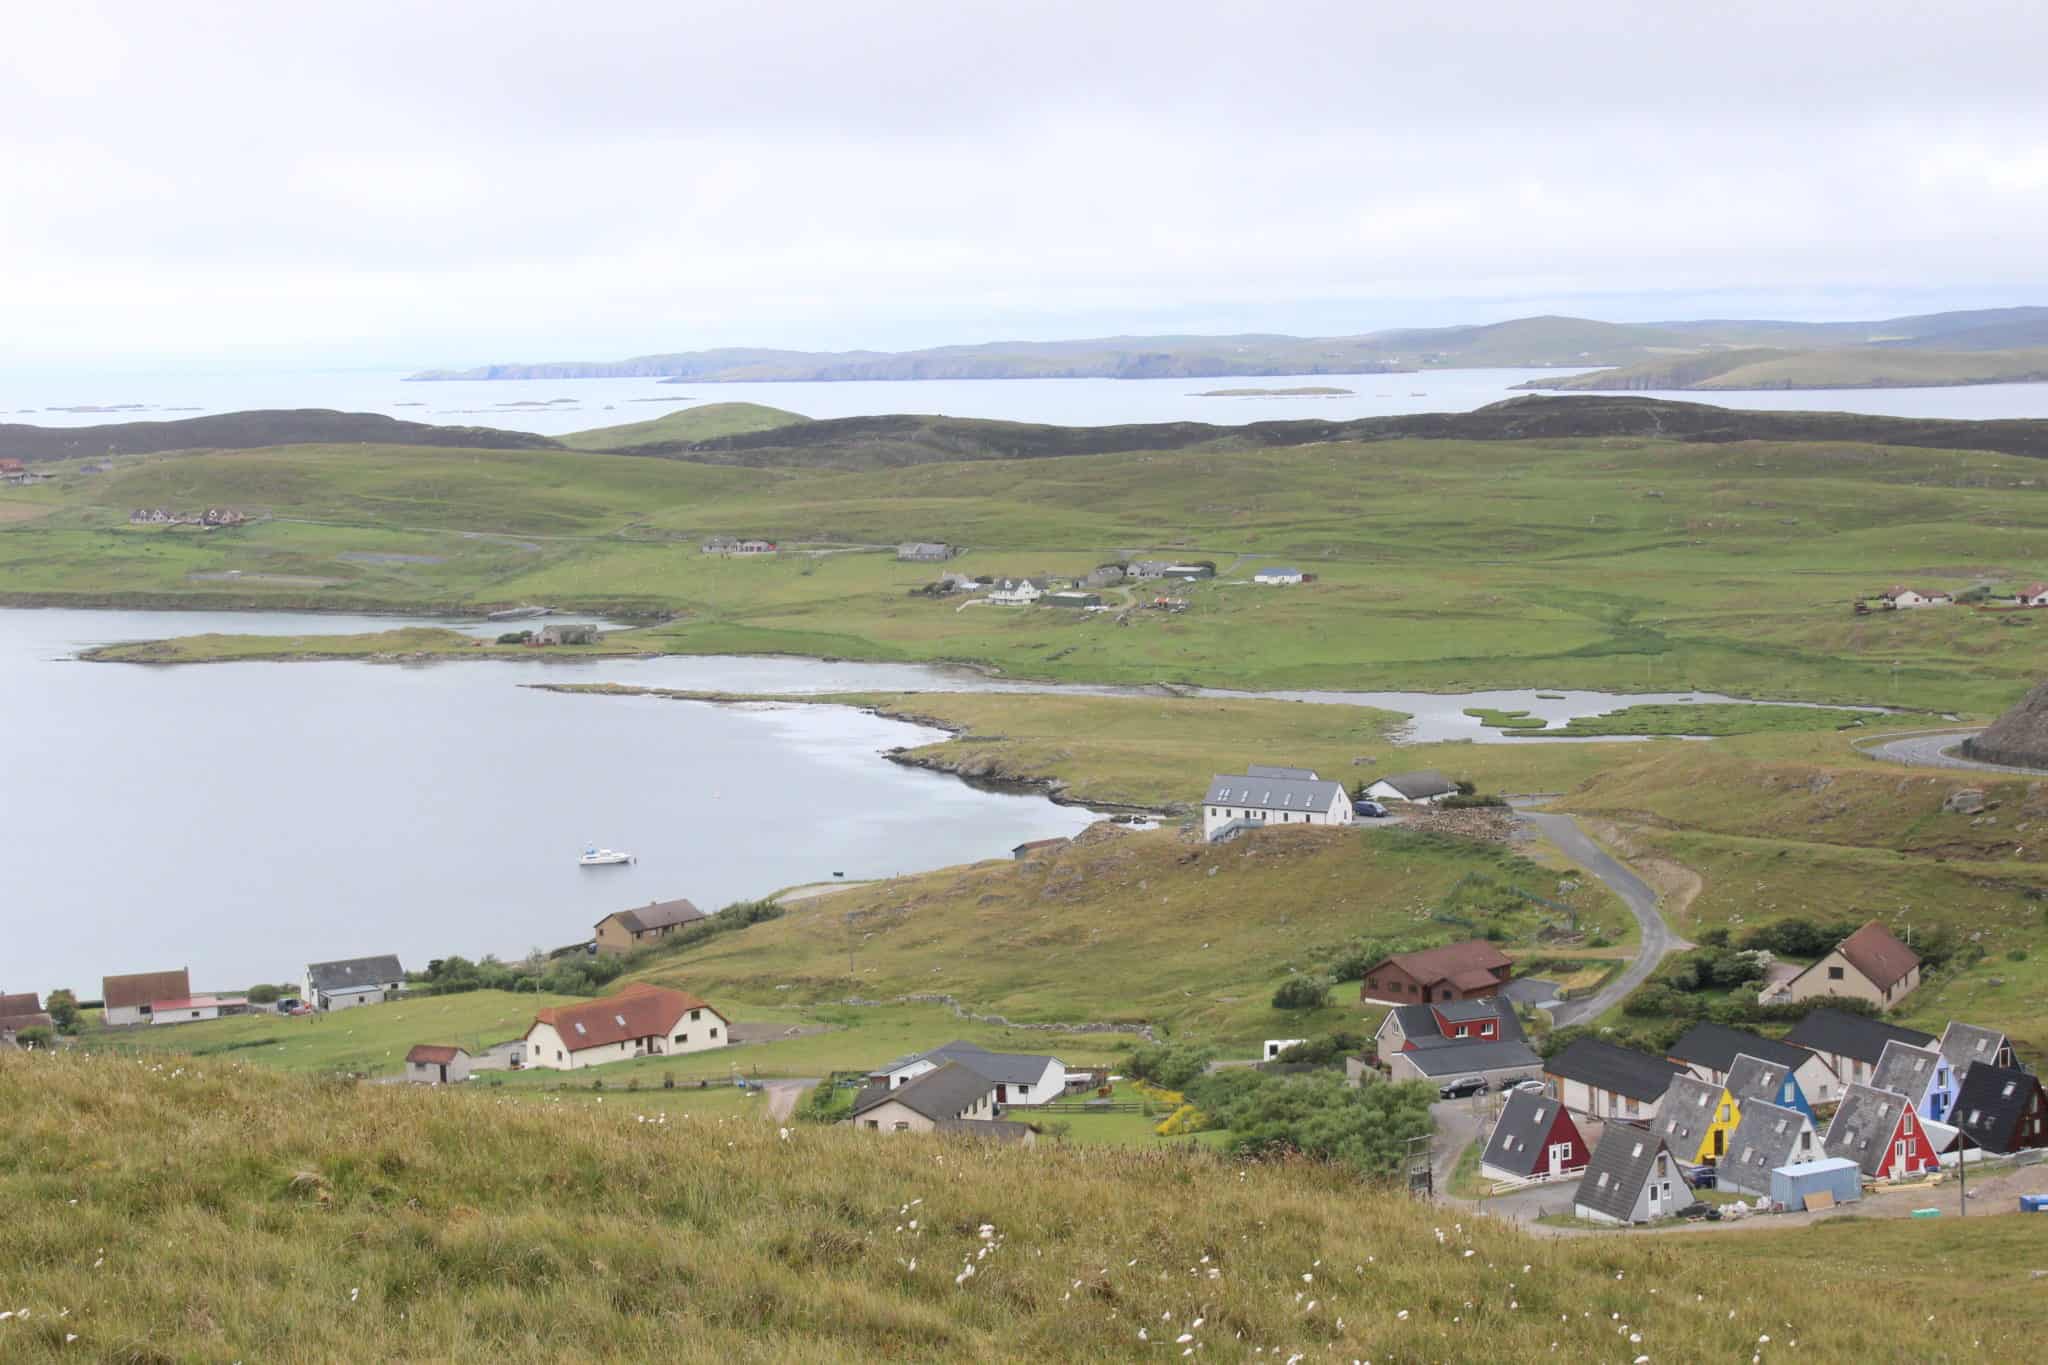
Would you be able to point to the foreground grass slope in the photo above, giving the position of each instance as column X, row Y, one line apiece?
column 272, row 1217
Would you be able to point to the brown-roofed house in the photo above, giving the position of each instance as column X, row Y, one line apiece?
column 1871, row 964
column 624, row 930
column 1460, row 971
column 640, row 1021
column 436, row 1064
column 22, row 1011
column 128, row 999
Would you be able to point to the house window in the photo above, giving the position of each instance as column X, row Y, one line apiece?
column 872, row 1125
column 1834, row 973
column 558, row 1054
column 902, row 1127
column 714, row 1033
column 682, row 1037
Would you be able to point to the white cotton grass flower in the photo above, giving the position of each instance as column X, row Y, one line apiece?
column 1401, row 1316
column 1184, row 1338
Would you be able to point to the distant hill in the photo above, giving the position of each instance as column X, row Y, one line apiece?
column 1863, row 367
column 251, row 431
column 1536, row 341
column 692, row 424
column 857, row 443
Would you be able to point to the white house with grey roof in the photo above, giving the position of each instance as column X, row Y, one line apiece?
column 951, row 1093
column 1018, row 1078
column 1633, row 1178
column 1267, row 795
column 1424, row 788
column 353, row 981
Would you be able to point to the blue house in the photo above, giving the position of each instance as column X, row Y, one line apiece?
column 1754, row 1078
column 1925, row 1077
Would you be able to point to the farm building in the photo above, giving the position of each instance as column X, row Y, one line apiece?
column 433, row 1064
column 2033, row 595
column 1189, row 572
column 22, row 1011
column 566, row 633
column 924, row 552
column 1425, row 788
column 127, row 999
column 624, row 930
column 1459, row 971
column 1534, row 1139
column 1074, row 599
column 639, row 1021
column 1255, row 800
column 1281, row 575
column 739, row 545
column 193, row 1008
column 353, row 981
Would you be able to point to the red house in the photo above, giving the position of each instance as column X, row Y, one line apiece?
column 1470, row 970
column 1878, row 1130
column 1536, row 1139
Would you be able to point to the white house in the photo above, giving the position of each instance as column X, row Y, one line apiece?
column 1904, row 597
column 639, row 1021
column 1018, row 1078
column 952, row 1092
column 353, row 981
column 1606, row 1081
column 1018, row 592
column 2033, row 595
column 1278, row 574
column 128, row 999
column 432, row 1064
column 1425, row 788
column 1258, row 798
column 1276, row 1046
column 192, row 1008
column 1632, row 1178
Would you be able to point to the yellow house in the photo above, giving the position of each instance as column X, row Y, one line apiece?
column 1697, row 1120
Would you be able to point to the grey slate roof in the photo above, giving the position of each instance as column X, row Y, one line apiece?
column 1620, row 1165
column 1716, row 1046
column 989, row 1130
column 1753, row 1078
column 1273, row 793
column 1418, row 786
column 1965, row 1045
column 1270, row 770
column 1520, row 1141
column 1767, row 1138
column 1467, row 1059
column 871, row 1094
column 658, row 915
column 1862, row 1128
column 1419, row 1022
column 1619, row 1069
column 355, row 973
column 1685, row 1114
column 1004, row 1068
column 940, row 1094
column 1991, row 1103
column 1907, row 1070
column 1851, row 1035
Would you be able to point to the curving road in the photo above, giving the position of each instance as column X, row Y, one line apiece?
column 1637, row 894
column 1933, row 751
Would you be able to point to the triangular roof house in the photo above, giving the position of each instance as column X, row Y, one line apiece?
column 1769, row 1136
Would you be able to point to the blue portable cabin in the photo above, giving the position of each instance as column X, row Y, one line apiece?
column 1835, row 1175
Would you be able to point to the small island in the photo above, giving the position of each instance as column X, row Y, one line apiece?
column 1307, row 391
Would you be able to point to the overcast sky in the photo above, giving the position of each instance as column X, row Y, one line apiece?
column 455, row 183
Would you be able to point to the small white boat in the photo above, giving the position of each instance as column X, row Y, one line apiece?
column 594, row 856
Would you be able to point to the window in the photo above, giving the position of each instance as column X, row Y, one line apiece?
column 682, row 1037
column 536, row 1049
column 714, row 1033
column 872, row 1125
column 694, row 1014
column 558, row 1054
column 1834, row 973
column 902, row 1127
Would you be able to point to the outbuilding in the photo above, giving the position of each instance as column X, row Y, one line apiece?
column 434, row 1064
column 1424, row 788
column 1278, row 574
column 127, row 999
column 353, row 981
column 193, row 1008
column 1833, row 1179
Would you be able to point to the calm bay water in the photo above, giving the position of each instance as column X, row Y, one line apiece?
column 554, row 406
column 244, row 819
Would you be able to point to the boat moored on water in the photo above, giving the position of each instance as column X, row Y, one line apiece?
column 593, row 856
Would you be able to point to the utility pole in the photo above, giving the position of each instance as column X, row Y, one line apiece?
column 1962, row 1175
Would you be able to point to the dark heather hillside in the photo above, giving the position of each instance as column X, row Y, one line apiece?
column 887, row 442
column 252, row 431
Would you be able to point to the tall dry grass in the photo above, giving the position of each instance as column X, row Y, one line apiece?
column 165, row 1211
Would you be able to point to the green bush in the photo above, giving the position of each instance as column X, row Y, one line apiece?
column 1170, row 1065
column 264, row 994
column 62, row 1007
column 1321, row 1051
column 1320, row 1116
column 34, row 1037
column 1302, row 993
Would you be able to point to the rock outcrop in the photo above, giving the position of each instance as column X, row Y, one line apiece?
column 2017, row 739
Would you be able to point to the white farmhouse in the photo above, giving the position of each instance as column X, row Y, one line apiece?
column 1276, row 796
column 1018, row 592
column 353, row 981
column 193, row 1008
column 948, row 1095
column 1281, row 574
column 1018, row 1078
column 1425, row 788
column 639, row 1021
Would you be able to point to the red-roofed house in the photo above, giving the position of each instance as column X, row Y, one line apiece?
column 435, row 1064
column 1460, row 971
column 2033, row 595
column 1871, row 964
column 185, row 1009
column 23, row 1011
column 640, row 1021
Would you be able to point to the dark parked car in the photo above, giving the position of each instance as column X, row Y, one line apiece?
column 1459, row 1089
column 1371, row 810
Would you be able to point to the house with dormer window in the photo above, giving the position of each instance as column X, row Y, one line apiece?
column 640, row 1021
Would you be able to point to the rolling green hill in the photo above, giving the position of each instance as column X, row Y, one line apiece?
column 250, row 431
column 1846, row 368
column 677, row 430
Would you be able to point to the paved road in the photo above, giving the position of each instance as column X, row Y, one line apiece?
column 1931, row 751
column 1637, row 894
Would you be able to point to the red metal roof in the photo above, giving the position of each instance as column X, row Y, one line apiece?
column 639, row 1011
column 433, row 1054
column 196, row 1002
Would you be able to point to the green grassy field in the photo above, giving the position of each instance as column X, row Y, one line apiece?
column 1840, row 368
column 205, row 1211
column 701, row 423
column 1613, row 563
